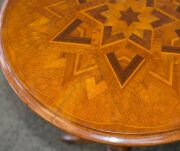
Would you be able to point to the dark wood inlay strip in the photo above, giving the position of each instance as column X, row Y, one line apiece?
column 131, row 67
column 145, row 41
column 150, row 3
column 163, row 19
column 115, row 65
column 123, row 75
column 64, row 36
column 112, row 1
column 178, row 9
column 171, row 49
column 178, row 32
column 108, row 37
column 82, row 1
column 70, row 28
column 96, row 13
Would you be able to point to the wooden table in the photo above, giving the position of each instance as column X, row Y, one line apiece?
column 107, row 71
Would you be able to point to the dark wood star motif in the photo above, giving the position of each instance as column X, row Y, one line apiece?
column 129, row 16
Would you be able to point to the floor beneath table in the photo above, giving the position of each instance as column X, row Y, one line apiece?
column 23, row 130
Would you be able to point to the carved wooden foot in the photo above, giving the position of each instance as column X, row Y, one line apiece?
column 118, row 148
column 70, row 139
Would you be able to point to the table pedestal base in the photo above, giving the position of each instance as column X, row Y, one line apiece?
column 70, row 139
column 118, row 148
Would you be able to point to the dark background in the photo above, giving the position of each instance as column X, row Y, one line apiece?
column 23, row 130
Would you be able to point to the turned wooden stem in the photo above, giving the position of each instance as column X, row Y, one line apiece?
column 118, row 148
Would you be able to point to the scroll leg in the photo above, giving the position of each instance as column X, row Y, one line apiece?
column 118, row 148
column 70, row 139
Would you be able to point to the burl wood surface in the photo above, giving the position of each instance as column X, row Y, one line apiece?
column 105, row 70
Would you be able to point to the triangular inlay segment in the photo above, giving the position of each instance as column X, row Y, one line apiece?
column 145, row 41
column 65, row 36
column 163, row 19
column 124, row 75
column 96, row 13
column 108, row 37
column 172, row 48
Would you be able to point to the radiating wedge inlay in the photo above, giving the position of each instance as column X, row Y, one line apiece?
column 123, row 75
column 64, row 36
column 171, row 48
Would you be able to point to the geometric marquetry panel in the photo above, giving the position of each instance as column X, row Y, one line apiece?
column 109, row 65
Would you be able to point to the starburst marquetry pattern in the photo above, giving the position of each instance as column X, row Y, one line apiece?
column 134, row 24
column 112, row 66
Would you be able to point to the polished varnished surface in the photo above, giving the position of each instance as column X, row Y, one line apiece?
column 110, row 66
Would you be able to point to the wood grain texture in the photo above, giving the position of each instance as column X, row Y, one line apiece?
column 88, row 69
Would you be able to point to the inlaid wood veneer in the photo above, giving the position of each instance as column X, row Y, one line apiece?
column 103, row 70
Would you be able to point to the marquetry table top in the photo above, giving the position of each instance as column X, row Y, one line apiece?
column 105, row 70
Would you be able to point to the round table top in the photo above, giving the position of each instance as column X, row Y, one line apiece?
column 105, row 70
